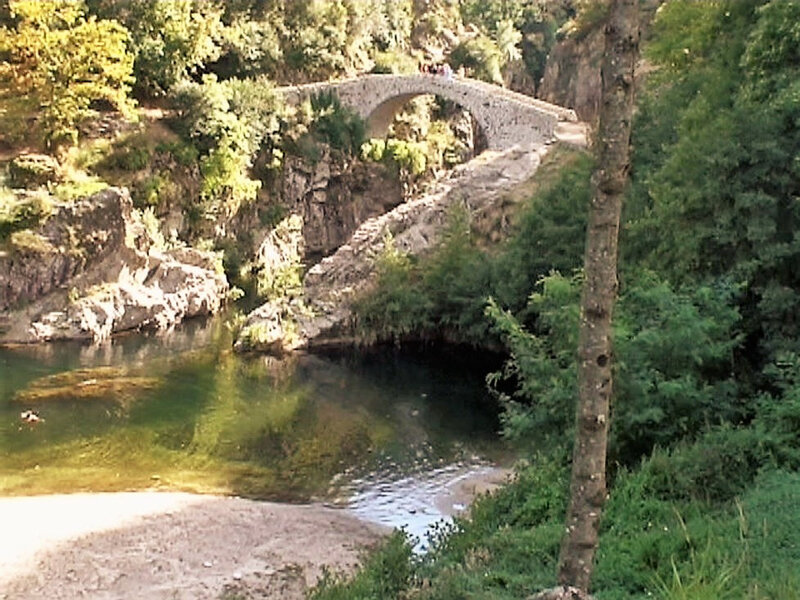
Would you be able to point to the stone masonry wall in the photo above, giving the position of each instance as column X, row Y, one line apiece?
column 507, row 118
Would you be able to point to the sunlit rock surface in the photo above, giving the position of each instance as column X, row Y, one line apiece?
column 95, row 271
column 331, row 286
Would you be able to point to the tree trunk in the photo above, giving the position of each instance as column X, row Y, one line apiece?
column 588, row 484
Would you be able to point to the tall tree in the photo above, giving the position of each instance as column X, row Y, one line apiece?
column 612, row 146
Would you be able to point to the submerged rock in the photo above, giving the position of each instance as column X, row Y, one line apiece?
column 96, row 272
column 117, row 388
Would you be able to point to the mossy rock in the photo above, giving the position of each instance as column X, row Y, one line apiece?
column 33, row 170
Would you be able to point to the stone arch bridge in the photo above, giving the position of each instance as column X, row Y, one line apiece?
column 507, row 118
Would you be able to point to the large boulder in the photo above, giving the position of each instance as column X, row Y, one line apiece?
column 95, row 271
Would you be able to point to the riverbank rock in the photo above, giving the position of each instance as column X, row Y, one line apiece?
column 33, row 170
column 331, row 286
column 563, row 592
column 92, row 270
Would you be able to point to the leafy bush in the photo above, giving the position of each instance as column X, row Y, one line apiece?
column 22, row 212
column 394, row 61
column 671, row 380
column 396, row 308
column 336, row 125
column 386, row 572
column 228, row 121
column 481, row 57
column 171, row 39
column 58, row 59
column 128, row 157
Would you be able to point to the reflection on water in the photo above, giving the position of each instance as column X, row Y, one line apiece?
column 182, row 411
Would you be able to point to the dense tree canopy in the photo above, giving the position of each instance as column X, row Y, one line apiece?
column 63, row 61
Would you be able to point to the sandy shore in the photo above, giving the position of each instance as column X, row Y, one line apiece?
column 170, row 545
column 160, row 545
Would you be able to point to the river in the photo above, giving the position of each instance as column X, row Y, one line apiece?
column 379, row 433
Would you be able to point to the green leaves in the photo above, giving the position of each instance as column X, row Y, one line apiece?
column 674, row 355
column 64, row 62
column 228, row 121
column 715, row 164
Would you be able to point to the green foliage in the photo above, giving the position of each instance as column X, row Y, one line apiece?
column 61, row 61
column 171, row 39
column 251, row 47
column 228, row 121
column 405, row 156
column 655, row 542
column 394, row 61
column 672, row 349
column 528, row 27
column 395, row 308
column 385, row 574
column 446, row 291
column 128, row 158
column 184, row 154
column 22, row 212
column 715, row 161
column 481, row 57
column 549, row 236
column 420, row 143
column 336, row 125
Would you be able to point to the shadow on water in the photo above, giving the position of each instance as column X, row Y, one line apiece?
column 181, row 411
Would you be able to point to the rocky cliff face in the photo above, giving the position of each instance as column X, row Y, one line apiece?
column 572, row 75
column 334, row 196
column 92, row 270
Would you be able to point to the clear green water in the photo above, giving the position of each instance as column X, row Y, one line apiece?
column 183, row 412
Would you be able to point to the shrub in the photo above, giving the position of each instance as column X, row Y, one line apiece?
column 386, row 572
column 61, row 60
column 23, row 212
column 672, row 373
column 336, row 125
column 228, row 122
column 33, row 170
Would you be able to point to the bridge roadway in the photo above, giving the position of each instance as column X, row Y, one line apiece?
column 507, row 118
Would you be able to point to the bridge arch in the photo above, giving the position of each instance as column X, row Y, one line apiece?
column 506, row 118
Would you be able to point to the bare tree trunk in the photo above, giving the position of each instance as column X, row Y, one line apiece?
column 588, row 485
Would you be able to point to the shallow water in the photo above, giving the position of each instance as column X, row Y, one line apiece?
column 380, row 432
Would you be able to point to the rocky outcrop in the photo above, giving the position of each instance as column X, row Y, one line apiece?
column 563, row 592
column 572, row 74
column 92, row 270
column 33, row 170
column 334, row 195
column 331, row 286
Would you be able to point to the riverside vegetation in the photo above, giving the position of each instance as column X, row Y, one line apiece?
column 704, row 451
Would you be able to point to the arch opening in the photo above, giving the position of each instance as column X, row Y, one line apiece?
column 395, row 117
